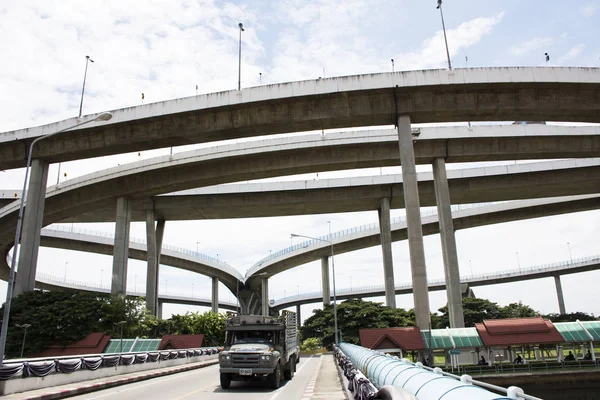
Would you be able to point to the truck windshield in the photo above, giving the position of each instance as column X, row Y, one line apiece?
column 265, row 337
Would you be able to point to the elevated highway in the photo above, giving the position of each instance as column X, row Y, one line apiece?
column 100, row 243
column 144, row 180
column 474, row 94
column 493, row 278
column 49, row 282
column 369, row 235
column 343, row 241
column 514, row 275
column 402, row 98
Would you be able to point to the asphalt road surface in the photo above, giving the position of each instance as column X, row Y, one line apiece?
column 204, row 383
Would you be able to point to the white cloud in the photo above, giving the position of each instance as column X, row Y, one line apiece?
column 589, row 10
column 433, row 51
column 165, row 48
column 531, row 45
column 572, row 53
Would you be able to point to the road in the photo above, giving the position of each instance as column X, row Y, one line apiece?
column 204, row 383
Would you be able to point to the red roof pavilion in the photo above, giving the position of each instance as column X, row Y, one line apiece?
column 181, row 342
column 518, row 331
column 407, row 338
column 94, row 343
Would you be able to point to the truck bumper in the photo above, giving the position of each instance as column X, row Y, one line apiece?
column 255, row 371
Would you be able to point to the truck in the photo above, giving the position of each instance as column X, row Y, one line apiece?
column 260, row 348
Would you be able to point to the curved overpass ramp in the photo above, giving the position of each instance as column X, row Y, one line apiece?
column 141, row 181
column 99, row 243
column 347, row 194
column 536, row 272
column 368, row 235
column 474, row 94
column 49, row 282
column 344, row 241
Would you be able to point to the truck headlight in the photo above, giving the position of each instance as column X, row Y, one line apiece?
column 225, row 357
column 265, row 358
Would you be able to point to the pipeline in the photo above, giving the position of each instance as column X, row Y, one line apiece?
column 384, row 371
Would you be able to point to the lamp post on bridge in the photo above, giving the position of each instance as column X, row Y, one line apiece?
column 335, row 321
column 570, row 254
column 121, row 323
column 24, row 327
column 13, row 265
column 241, row 26
column 439, row 7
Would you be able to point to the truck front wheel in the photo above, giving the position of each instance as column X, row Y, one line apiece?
column 225, row 381
column 290, row 367
column 275, row 378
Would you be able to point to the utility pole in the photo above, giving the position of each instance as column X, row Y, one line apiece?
column 439, row 6
column 240, row 58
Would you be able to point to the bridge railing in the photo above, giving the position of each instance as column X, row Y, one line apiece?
column 108, row 235
column 41, row 367
column 538, row 269
column 358, row 229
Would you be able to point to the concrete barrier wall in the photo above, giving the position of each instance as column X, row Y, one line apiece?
column 17, row 385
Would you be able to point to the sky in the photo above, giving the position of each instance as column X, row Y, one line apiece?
column 172, row 49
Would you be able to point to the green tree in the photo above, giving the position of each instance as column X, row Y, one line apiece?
column 310, row 344
column 353, row 315
column 517, row 310
column 570, row 317
column 474, row 310
column 55, row 317
column 211, row 324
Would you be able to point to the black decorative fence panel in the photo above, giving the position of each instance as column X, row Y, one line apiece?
column 67, row 365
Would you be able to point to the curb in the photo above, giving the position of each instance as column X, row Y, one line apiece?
column 117, row 382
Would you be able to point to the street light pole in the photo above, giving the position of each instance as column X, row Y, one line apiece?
column 121, row 323
column 24, row 327
column 335, row 321
column 570, row 254
column 439, row 6
column 13, row 265
column 87, row 58
column 518, row 261
column 240, row 58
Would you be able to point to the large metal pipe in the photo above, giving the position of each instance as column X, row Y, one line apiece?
column 383, row 370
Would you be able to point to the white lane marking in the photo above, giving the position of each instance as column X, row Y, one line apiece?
column 154, row 381
column 283, row 387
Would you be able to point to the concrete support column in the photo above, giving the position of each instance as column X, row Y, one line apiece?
column 385, row 233
column 450, row 256
column 152, row 269
column 121, row 248
column 32, row 227
column 413, row 221
column 325, row 280
column 264, row 296
column 298, row 316
column 160, row 310
column 215, row 294
column 559, row 295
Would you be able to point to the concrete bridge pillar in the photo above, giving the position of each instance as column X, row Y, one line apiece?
column 385, row 233
column 325, row 280
column 215, row 294
column 159, row 313
column 451, row 270
column 32, row 227
column 121, row 247
column 413, row 222
column 298, row 316
column 559, row 295
column 154, row 244
column 249, row 301
column 264, row 288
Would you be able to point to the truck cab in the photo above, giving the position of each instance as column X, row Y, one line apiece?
column 259, row 348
